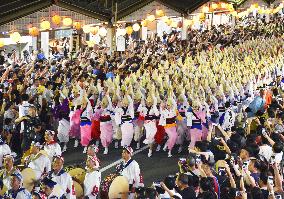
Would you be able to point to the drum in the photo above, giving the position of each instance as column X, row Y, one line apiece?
column 105, row 185
column 3, row 191
column 119, row 188
column 29, row 178
column 78, row 176
column 78, row 189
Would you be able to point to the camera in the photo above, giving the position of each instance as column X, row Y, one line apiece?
column 272, row 159
column 263, row 132
column 198, row 159
column 221, row 171
column 182, row 160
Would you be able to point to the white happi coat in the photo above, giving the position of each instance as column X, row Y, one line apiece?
column 64, row 180
column 92, row 184
column 132, row 173
column 40, row 165
column 52, row 149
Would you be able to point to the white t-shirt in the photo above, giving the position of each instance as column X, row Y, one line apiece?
column 265, row 151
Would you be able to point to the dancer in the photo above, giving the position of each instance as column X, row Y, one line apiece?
column 85, row 122
column 168, row 120
column 106, row 123
column 150, row 113
column 124, row 115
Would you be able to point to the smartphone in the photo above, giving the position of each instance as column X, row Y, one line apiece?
column 263, row 131
column 238, row 193
column 214, row 124
column 272, row 159
column 221, row 171
column 198, row 159
column 157, row 184
column 270, row 180
column 278, row 196
column 232, row 160
column 245, row 166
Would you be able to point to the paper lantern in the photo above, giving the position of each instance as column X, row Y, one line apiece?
column 45, row 25
column 214, row 6
column 86, row 29
column 1, row 43
column 136, row 27
column 129, row 30
column 188, row 22
column 230, row 7
column 179, row 24
column 164, row 19
column 103, row 31
column 160, row 13
column 77, row 25
column 67, row 21
column 56, row 19
column 174, row 24
column 223, row 5
column 121, row 31
column 234, row 13
column 151, row 18
column 33, row 31
column 205, row 9
column 15, row 36
column 144, row 23
column 201, row 16
column 169, row 21
column 94, row 30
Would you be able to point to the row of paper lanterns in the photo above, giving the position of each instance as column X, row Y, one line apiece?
column 14, row 36
column 229, row 7
column 260, row 10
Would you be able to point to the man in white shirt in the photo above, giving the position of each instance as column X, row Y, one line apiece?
column 4, row 150
column 24, row 108
column 17, row 191
column 131, row 171
column 38, row 161
column 62, row 178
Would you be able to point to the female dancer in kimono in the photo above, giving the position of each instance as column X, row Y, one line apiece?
column 124, row 115
column 75, row 117
column 150, row 113
column 168, row 120
column 195, row 118
column 85, row 122
column 182, row 129
column 137, row 121
column 97, row 110
column 106, row 123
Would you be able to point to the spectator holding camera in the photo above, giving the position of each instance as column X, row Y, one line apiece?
column 185, row 191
